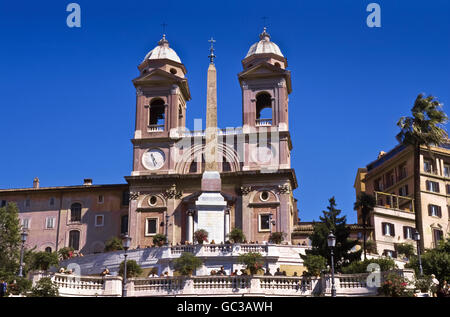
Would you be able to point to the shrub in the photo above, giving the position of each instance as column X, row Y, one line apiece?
column 187, row 263
column 252, row 260
column 65, row 253
column 113, row 244
column 133, row 269
column 423, row 283
column 236, row 235
column 277, row 237
column 385, row 264
column 45, row 288
column 405, row 249
column 20, row 285
column 315, row 264
column 371, row 247
column 201, row 236
column 159, row 239
column 395, row 286
column 44, row 260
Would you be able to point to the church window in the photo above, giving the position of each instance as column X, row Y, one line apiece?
column 75, row 212
column 156, row 117
column 152, row 201
column 48, row 250
column 100, row 199
column 173, row 71
column 263, row 109
column 74, row 239
column 264, row 222
column 151, row 227
column 277, row 65
column 264, row 196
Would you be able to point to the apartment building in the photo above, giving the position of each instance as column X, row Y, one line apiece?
column 390, row 179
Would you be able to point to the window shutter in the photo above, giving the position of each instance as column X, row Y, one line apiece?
column 437, row 188
column 429, row 210
column 439, row 212
column 427, row 183
column 383, row 227
column 405, row 232
column 392, row 230
column 406, row 190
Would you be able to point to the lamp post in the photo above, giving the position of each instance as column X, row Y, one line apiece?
column 417, row 238
column 331, row 244
column 23, row 238
column 126, row 240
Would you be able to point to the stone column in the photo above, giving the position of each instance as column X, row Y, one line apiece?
column 227, row 224
column 190, row 226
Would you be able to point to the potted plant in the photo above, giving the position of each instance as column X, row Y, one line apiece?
column 277, row 237
column 159, row 240
column 187, row 263
column 113, row 244
column 66, row 253
column 236, row 235
column 252, row 260
column 201, row 236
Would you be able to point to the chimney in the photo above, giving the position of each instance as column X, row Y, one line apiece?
column 87, row 182
column 36, row 183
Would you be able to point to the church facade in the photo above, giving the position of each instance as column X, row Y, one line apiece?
column 165, row 193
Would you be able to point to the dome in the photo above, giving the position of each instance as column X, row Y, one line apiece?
column 163, row 51
column 264, row 46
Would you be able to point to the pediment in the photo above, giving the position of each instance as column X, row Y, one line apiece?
column 263, row 69
column 157, row 76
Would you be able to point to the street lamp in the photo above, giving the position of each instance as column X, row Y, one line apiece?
column 23, row 238
column 331, row 244
column 167, row 229
column 126, row 241
column 417, row 238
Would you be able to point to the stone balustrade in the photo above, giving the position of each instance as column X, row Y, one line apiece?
column 346, row 285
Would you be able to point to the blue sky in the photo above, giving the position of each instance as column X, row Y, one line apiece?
column 67, row 103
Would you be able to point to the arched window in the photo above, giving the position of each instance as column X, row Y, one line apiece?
column 74, row 239
column 156, row 117
column 75, row 212
column 48, row 249
column 263, row 109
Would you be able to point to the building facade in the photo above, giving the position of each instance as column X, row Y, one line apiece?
column 253, row 160
column 390, row 179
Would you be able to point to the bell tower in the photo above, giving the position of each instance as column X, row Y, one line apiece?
column 162, row 91
column 265, row 85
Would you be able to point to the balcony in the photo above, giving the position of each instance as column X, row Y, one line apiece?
column 263, row 122
column 155, row 127
column 392, row 201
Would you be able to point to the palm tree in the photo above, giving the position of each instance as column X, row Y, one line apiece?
column 365, row 203
column 424, row 128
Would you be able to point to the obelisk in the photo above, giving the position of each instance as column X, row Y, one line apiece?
column 211, row 204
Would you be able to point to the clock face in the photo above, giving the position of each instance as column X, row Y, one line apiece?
column 262, row 154
column 153, row 159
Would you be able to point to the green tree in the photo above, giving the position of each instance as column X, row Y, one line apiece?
column 424, row 128
column 133, row 269
column 45, row 287
column 331, row 222
column 113, row 244
column 386, row 264
column 365, row 204
column 10, row 239
column 434, row 261
column 405, row 249
column 315, row 264
column 65, row 253
column 236, row 235
column 44, row 260
column 187, row 263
